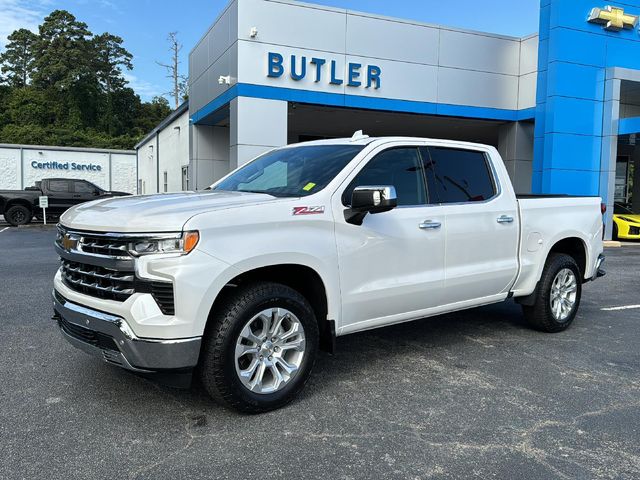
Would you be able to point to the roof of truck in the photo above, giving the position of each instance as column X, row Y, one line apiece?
column 366, row 140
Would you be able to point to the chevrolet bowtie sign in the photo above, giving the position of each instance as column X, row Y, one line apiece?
column 612, row 18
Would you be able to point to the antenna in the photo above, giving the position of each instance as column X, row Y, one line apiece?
column 359, row 135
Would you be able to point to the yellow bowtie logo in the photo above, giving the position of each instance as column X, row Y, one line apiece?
column 613, row 18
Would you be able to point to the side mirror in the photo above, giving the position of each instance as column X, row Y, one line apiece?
column 370, row 199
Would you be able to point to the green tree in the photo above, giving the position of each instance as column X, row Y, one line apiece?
column 28, row 106
column 110, row 57
column 62, row 51
column 152, row 113
column 64, row 86
column 18, row 58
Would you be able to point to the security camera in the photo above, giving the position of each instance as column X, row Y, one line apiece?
column 224, row 80
column 253, row 33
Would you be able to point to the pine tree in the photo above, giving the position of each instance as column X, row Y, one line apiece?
column 18, row 58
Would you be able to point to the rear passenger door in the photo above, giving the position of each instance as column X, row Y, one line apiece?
column 481, row 223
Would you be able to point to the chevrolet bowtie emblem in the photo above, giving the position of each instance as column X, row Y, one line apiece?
column 69, row 243
column 613, row 18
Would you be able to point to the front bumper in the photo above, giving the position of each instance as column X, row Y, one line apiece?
column 110, row 338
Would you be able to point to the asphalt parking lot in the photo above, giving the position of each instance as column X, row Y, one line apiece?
column 468, row 395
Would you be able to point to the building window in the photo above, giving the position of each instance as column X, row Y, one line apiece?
column 165, row 182
column 185, row 178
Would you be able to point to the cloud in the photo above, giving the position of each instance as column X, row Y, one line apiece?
column 146, row 90
column 15, row 14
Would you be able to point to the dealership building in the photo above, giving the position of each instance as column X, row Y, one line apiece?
column 562, row 105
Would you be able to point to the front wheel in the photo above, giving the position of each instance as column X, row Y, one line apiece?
column 558, row 295
column 260, row 349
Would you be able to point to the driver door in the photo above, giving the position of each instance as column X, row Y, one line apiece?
column 391, row 266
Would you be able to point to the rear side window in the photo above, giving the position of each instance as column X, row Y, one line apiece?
column 457, row 176
column 400, row 167
column 59, row 186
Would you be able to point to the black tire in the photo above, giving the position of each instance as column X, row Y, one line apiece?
column 539, row 315
column 615, row 232
column 17, row 215
column 218, row 362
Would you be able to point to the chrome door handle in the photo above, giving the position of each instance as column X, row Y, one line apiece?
column 505, row 219
column 429, row 225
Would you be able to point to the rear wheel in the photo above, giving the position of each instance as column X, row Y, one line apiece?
column 261, row 348
column 615, row 231
column 558, row 295
column 17, row 215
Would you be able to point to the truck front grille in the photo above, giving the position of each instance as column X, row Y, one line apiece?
column 115, row 285
column 98, row 281
column 99, row 265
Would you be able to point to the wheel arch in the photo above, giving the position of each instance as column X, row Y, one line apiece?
column 305, row 279
column 576, row 248
column 18, row 201
column 572, row 245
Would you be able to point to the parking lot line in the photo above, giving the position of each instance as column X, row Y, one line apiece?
column 625, row 307
column 5, row 228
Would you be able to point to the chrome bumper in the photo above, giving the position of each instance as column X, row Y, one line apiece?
column 110, row 338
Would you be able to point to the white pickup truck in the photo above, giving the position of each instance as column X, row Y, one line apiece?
column 244, row 282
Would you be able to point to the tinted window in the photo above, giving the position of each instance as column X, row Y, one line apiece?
column 84, row 187
column 291, row 172
column 399, row 167
column 455, row 175
column 59, row 186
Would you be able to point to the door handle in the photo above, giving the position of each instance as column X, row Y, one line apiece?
column 429, row 225
column 505, row 219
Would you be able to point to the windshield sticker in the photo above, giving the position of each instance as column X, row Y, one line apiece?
column 308, row 210
column 309, row 186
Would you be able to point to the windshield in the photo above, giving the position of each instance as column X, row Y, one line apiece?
column 291, row 172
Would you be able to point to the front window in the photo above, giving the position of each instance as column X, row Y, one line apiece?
column 291, row 172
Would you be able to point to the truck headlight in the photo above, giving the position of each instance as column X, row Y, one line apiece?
column 181, row 243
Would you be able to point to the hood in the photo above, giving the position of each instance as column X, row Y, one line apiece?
column 153, row 213
column 634, row 217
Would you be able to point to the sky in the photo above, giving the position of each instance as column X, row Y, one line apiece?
column 144, row 24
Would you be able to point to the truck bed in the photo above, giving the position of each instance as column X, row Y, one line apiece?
column 544, row 220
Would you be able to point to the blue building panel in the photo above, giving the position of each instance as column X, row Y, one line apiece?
column 571, row 182
column 577, row 46
column 573, row 115
column 573, row 152
column 574, row 80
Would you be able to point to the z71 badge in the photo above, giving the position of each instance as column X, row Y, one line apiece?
column 308, row 210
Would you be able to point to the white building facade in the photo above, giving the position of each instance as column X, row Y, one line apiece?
column 272, row 72
column 163, row 155
column 22, row 165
